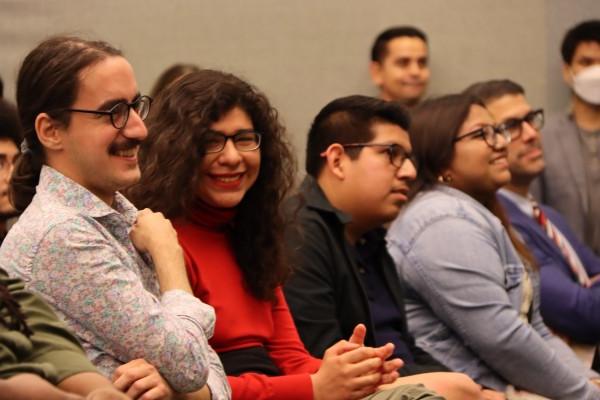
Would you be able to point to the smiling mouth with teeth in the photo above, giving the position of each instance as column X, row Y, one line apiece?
column 126, row 153
column 228, row 178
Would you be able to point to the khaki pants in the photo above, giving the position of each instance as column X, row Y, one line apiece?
column 405, row 392
column 512, row 394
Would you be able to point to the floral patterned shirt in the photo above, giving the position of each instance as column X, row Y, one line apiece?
column 75, row 251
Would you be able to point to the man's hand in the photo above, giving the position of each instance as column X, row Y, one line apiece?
column 140, row 380
column 153, row 233
column 389, row 369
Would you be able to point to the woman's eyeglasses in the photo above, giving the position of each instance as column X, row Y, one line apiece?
column 243, row 140
column 490, row 135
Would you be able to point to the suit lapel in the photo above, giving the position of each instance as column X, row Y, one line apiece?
column 519, row 219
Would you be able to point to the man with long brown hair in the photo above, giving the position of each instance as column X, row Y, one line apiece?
column 115, row 275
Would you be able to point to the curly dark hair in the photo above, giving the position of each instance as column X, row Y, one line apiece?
column 181, row 116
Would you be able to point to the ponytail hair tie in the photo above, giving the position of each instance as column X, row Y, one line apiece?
column 25, row 147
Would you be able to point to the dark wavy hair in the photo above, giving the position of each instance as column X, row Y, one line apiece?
column 181, row 115
column 435, row 124
column 48, row 82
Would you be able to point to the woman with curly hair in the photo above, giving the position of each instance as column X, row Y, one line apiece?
column 217, row 162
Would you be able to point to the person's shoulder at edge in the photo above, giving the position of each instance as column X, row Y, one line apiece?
column 556, row 121
column 432, row 204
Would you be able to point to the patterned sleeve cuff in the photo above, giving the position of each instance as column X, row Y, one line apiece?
column 186, row 305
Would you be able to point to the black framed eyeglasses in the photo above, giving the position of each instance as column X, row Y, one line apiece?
column 489, row 133
column 396, row 153
column 243, row 140
column 119, row 113
column 514, row 126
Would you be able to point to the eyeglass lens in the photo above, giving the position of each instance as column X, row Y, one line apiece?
column 491, row 135
column 398, row 156
column 214, row 142
column 515, row 126
column 120, row 112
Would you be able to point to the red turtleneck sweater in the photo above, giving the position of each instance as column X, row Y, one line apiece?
column 242, row 320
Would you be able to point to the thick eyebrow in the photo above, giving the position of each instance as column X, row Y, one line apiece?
column 586, row 58
column 515, row 118
column 243, row 130
column 108, row 104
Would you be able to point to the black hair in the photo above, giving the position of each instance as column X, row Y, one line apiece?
column 349, row 120
column 586, row 31
column 379, row 49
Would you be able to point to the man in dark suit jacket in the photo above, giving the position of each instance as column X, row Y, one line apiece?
column 570, row 297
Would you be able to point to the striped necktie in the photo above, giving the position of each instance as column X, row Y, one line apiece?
column 567, row 251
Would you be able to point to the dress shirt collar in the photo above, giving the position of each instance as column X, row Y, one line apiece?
column 523, row 203
column 75, row 196
column 315, row 198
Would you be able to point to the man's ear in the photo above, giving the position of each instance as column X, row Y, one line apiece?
column 567, row 76
column 375, row 71
column 335, row 159
column 48, row 132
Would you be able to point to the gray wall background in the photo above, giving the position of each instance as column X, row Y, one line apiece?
column 303, row 54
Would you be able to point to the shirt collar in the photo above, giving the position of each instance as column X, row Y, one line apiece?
column 75, row 196
column 316, row 199
column 523, row 203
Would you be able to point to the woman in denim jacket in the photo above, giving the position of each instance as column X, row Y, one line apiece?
column 473, row 299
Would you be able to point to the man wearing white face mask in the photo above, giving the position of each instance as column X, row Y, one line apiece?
column 570, row 182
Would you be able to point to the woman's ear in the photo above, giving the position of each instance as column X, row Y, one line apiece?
column 48, row 132
column 335, row 160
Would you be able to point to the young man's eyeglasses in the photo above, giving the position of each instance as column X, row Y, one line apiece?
column 243, row 140
column 119, row 113
column 515, row 125
column 397, row 154
column 489, row 133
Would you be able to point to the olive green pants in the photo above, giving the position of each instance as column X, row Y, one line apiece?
column 405, row 392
